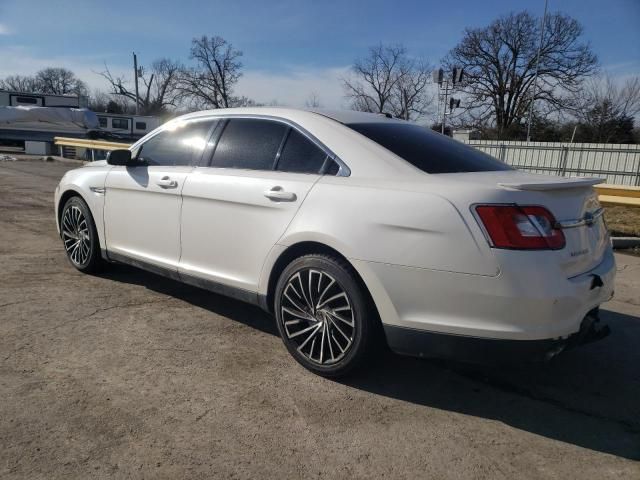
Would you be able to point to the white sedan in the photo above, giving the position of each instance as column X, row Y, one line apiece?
column 351, row 227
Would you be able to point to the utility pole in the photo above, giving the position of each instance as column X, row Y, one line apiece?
column 135, row 76
column 535, row 78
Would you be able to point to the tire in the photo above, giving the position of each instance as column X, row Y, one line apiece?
column 79, row 236
column 323, row 315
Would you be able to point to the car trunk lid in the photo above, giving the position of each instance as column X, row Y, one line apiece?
column 572, row 201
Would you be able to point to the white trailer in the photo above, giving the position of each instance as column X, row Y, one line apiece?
column 21, row 99
column 134, row 126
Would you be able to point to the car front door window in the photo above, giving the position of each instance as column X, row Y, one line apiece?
column 178, row 146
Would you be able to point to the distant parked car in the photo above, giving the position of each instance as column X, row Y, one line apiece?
column 343, row 224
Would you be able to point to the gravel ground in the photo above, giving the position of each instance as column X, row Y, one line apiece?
column 129, row 375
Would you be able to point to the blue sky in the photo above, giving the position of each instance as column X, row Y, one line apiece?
column 291, row 48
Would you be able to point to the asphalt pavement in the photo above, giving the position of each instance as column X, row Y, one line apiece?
column 131, row 375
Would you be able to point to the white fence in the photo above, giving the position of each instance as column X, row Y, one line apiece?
column 618, row 163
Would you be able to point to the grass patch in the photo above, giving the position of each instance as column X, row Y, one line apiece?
column 622, row 220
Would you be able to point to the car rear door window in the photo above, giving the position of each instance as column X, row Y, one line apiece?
column 300, row 155
column 248, row 143
column 178, row 146
column 431, row 152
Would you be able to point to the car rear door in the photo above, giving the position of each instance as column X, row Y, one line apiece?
column 143, row 202
column 237, row 207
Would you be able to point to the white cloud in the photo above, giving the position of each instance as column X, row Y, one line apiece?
column 293, row 87
column 621, row 72
column 17, row 60
column 4, row 30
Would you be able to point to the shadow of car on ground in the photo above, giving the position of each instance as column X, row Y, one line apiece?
column 589, row 397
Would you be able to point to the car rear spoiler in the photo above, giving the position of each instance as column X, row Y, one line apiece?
column 553, row 184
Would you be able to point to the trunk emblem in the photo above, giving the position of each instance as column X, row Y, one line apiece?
column 589, row 219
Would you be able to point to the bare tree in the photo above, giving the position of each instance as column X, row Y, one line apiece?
column 210, row 83
column 158, row 86
column 313, row 101
column 100, row 101
column 375, row 76
column 624, row 97
column 606, row 109
column 500, row 59
column 387, row 80
column 59, row 81
column 19, row 83
column 51, row 80
column 410, row 96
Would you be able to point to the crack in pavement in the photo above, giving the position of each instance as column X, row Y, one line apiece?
column 84, row 317
column 13, row 303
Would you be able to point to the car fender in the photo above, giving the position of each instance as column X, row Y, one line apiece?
column 87, row 183
column 379, row 294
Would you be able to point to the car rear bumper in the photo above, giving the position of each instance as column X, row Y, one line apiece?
column 534, row 304
column 420, row 343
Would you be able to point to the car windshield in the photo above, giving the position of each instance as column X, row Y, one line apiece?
column 431, row 152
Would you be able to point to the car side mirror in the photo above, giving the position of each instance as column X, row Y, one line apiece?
column 119, row 157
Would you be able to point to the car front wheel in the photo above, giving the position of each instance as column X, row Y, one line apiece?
column 323, row 315
column 79, row 236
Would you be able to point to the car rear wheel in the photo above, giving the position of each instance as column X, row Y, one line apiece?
column 323, row 315
column 79, row 236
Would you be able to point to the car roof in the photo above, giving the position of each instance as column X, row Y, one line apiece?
column 341, row 116
column 352, row 116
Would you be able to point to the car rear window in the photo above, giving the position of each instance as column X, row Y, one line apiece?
column 431, row 152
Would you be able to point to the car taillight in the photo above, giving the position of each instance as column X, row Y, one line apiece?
column 521, row 227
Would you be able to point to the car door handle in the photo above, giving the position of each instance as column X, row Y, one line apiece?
column 166, row 182
column 278, row 194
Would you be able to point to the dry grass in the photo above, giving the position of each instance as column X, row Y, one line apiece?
column 623, row 220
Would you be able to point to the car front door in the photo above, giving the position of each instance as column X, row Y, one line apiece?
column 236, row 209
column 142, row 202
